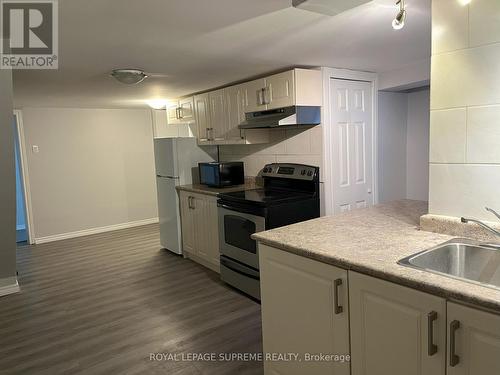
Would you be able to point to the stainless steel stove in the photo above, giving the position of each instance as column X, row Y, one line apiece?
column 290, row 194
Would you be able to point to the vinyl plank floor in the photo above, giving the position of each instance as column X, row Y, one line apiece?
column 101, row 304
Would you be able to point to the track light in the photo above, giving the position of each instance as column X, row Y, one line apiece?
column 399, row 22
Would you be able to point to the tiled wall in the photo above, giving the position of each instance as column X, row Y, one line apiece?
column 465, row 108
column 286, row 146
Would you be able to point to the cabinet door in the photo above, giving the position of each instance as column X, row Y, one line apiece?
column 210, row 249
column 202, row 115
column 160, row 125
column 394, row 329
column 280, row 90
column 235, row 99
column 255, row 95
column 187, row 224
column 186, row 109
column 200, row 226
column 299, row 314
column 476, row 346
column 218, row 115
column 173, row 113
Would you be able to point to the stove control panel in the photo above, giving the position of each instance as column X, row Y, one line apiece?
column 292, row 171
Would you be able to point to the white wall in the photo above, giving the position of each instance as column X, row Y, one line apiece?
column 94, row 169
column 416, row 74
column 403, row 149
column 392, row 122
column 417, row 145
column 286, row 146
column 7, row 184
column 465, row 108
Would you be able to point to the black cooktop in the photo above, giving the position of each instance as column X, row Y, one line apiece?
column 266, row 196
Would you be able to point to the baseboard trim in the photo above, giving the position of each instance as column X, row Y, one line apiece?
column 9, row 285
column 88, row 232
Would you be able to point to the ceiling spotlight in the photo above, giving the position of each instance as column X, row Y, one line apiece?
column 129, row 76
column 399, row 22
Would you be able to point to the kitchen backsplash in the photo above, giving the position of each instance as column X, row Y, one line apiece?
column 286, row 146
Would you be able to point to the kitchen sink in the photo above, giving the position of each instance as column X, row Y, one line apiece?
column 462, row 259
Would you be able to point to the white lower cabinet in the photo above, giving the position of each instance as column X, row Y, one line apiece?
column 200, row 231
column 304, row 310
column 388, row 329
column 394, row 329
column 473, row 341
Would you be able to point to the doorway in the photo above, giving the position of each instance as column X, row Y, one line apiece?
column 22, row 219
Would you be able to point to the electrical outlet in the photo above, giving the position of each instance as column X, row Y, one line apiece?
column 35, row 149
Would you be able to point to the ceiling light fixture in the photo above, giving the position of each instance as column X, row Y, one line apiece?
column 399, row 22
column 129, row 76
column 157, row 103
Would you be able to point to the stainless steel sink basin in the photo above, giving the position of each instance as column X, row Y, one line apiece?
column 461, row 259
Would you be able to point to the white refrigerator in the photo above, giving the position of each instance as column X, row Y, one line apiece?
column 176, row 161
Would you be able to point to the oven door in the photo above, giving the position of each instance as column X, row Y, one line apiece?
column 235, row 229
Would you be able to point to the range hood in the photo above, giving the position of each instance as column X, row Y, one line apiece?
column 281, row 117
column 328, row 7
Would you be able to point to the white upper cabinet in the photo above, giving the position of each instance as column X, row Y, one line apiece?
column 294, row 87
column 218, row 113
column 255, row 95
column 181, row 111
column 202, row 115
column 173, row 113
column 280, row 90
column 186, row 109
column 218, row 116
column 235, row 101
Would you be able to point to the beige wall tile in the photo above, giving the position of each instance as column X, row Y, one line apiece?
column 449, row 26
column 448, row 136
column 484, row 22
column 466, row 78
column 298, row 142
column 464, row 190
column 483, row 135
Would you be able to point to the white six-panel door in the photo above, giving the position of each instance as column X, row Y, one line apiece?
column 352, row 142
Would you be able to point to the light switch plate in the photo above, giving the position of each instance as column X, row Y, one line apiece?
column 35, row 149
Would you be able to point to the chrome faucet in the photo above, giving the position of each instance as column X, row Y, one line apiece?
column 485, row 226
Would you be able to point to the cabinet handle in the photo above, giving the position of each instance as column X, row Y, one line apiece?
column 259, row 97
column 454, row 358
column 265, row 91
column 338, row 308
column 177, row 113
column 209, row 134
column 431, row 347
column 191, row 203
column 180, row 113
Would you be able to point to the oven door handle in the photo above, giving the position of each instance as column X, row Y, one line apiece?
column 238, row 209
column 229, row 264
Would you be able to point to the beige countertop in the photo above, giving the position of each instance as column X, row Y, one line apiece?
column 202, row 189
column 371, row 241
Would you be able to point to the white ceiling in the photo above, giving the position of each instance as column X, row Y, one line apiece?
column 201, row 44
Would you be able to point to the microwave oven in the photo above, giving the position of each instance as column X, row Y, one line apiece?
column 222, row 174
